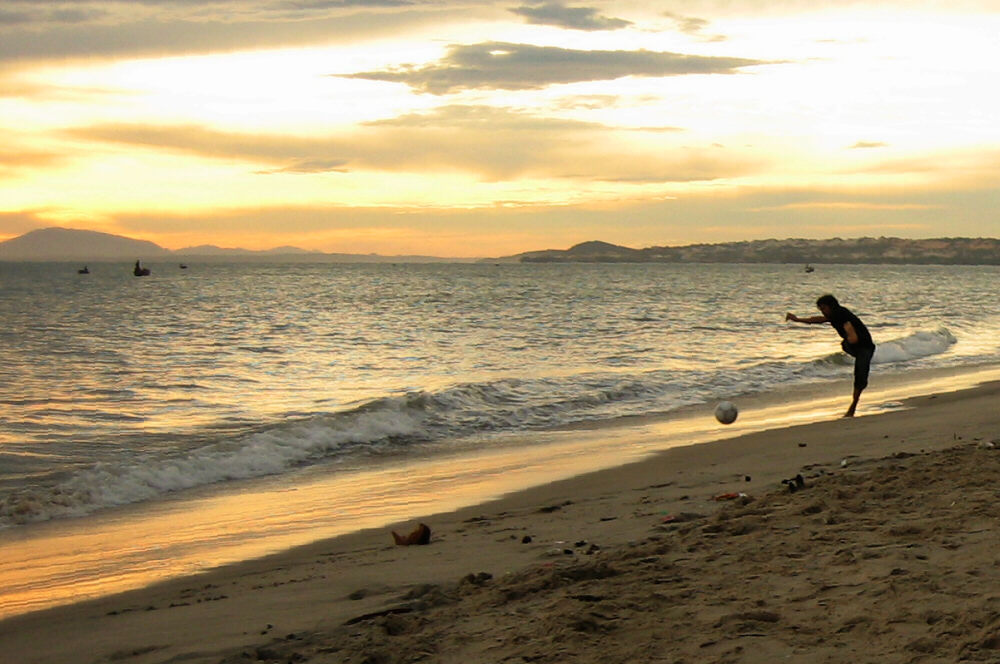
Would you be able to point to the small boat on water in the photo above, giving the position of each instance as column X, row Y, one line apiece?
column 140, row 271
column 810, row 268
column 183, row 266
column 83, row 270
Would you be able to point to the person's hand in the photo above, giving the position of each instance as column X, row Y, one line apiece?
column 792, row 317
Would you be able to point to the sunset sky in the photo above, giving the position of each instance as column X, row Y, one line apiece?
column 485, row 128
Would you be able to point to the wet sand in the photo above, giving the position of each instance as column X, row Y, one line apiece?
column 886, row 554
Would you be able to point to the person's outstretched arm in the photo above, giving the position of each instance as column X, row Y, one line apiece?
column 809, row 320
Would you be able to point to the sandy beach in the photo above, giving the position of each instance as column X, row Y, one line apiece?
column 701, row 553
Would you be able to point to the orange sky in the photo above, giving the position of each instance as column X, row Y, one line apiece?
column 487, row 128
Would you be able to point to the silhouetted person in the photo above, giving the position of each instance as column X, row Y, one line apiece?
column 857, row 340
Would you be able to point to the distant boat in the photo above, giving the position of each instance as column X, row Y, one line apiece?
column 140, row 271
column 810, row 268
column 183, row 266
column 83, row 270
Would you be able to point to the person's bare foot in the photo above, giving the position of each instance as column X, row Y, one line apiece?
column 849, row 413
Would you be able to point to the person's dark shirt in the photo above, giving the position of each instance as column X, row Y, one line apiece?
column 841, row 315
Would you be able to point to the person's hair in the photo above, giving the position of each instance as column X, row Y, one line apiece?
column 827, row 300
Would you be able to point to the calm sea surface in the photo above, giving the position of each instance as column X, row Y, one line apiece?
column 116, row 390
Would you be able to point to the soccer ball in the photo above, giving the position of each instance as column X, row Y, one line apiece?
column 726, row 412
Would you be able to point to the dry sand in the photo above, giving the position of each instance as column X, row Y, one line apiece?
column 888, row 554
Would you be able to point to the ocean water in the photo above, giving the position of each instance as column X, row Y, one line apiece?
column 116, row 390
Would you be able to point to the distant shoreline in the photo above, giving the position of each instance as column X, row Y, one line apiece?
column 876, row 251
column 273, row 259
column 327, row 259
column 71, row 245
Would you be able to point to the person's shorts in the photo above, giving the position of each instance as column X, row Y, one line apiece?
column 862, row 363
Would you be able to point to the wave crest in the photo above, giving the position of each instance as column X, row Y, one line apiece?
column 915, row 346
column 393, row 423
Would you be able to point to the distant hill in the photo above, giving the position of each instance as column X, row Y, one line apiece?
column 212, row 250
column 587, row 251
column 937, row 251
column 65, row 244
column 77, row 245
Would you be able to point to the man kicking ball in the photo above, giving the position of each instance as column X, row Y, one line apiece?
column 857, row 341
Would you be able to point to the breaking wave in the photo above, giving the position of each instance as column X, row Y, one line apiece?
column 394, row 424
column 914, row 347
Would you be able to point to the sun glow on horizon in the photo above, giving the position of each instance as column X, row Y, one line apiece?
column 499, row 114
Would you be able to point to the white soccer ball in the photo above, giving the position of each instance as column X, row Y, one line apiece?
column 726, row 412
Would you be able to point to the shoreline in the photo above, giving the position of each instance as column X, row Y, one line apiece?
column 65, row 561
column 315, row 588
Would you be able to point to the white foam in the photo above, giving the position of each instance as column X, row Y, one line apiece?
column 915, row 346
column 259, row 454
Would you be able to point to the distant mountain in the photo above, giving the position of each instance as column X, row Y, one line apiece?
column 212, row 250
column 285, row 250
column 207, row 250
column 65, row 244
column 593, row 251
column 76, row 245
column 936, row 251
column 585, row 252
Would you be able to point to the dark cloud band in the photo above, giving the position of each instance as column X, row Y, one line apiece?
column 574, row 18
column 507, row 66
column 38, row 30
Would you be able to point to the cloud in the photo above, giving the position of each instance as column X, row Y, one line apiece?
column 20, row 222
column 495, row 144
column 286, row 151
column 589, row 102
column 574, row 18
column 32, row 30
column 310, row 166
column 44, row 92
column 43, row 13
column 15, row 160
column 507, row 66
column 8, row 17
column 300, row 5
column 695, row 27
column 21, row 158
column 960, row 167
column 595, row 102
column 862, row 145
column 486, row 118
column 849, row 205
column 516, row 144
